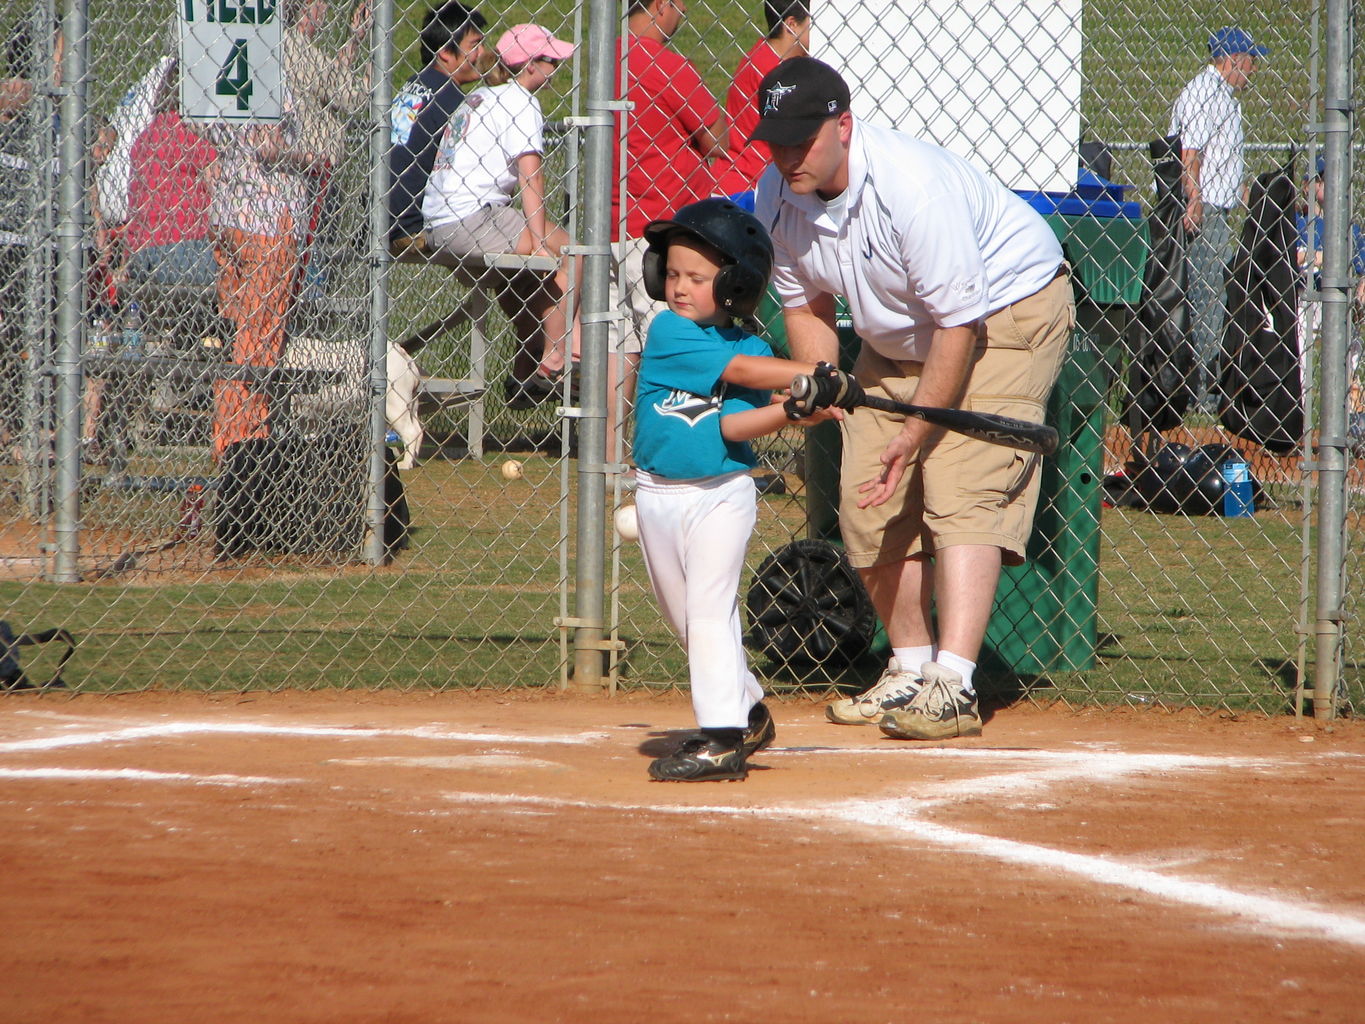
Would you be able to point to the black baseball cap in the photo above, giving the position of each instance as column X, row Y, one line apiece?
column 796, row 98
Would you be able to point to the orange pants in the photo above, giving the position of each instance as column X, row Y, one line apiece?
column 255, row 287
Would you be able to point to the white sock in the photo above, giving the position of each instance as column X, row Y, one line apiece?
column 960, row 665
column 911, row 658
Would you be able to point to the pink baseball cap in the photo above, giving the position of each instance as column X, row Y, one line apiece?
column 523, row 43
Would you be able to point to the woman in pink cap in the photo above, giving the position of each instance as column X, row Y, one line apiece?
column 491, row 150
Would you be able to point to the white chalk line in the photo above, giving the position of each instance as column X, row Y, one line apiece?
column 1263, row 913
column 1292, row 916
column 138, row 775
column 179, row 729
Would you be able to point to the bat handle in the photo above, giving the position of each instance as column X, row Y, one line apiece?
column 801, row 386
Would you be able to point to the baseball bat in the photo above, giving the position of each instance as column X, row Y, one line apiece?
column 984, row 426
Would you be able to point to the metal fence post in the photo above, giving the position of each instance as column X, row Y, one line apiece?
column 381, row 58
column 592, row 441
column 1337, row 288
column 70, row 293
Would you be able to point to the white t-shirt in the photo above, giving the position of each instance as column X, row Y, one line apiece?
column 1208, row 117
column 927, row 241
column 476, row 164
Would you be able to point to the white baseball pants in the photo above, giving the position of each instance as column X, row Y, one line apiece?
column 694, row 535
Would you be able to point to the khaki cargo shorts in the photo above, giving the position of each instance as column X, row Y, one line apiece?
column 959, row 490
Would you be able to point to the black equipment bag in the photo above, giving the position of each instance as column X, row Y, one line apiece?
column 1162, row 370
column 1260, row 383
column 12, row 674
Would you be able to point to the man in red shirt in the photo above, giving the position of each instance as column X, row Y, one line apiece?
column 168, row 204
column 673, row 133
column 788, row 36
column 676, row 127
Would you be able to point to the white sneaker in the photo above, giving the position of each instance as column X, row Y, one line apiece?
column 941, row 710
column 894, row 690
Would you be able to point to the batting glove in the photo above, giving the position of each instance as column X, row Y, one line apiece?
column 827, row 387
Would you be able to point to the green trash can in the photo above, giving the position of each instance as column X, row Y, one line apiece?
column 1045, row 610
column 1045, row 617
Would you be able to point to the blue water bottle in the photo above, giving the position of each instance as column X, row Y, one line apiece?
column 1237, row 495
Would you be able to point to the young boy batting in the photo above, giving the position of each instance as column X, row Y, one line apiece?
column 704, row 393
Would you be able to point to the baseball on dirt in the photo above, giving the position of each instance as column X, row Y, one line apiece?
column 627, row 525
column 511, row 470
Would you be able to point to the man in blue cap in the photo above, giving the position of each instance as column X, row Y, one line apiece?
column 1208, row 119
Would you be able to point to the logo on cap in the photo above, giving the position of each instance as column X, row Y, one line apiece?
column 775, row 96
column 797, row 97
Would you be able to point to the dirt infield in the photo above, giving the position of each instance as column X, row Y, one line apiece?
column 471, row 858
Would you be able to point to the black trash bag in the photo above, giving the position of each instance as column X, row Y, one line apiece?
column 12, row 675
column 1260, row 395
column 397, row 516
column 244, row 519
column 1162, row 370
column 300, row 493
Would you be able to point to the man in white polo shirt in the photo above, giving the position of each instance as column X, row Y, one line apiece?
column 961, row 297
column 1208, row 118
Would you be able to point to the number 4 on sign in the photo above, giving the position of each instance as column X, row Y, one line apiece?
column 234, row 77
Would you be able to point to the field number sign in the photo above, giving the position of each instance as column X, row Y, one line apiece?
column 230, row 60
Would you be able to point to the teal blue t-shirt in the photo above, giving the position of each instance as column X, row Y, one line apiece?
column 680, row 399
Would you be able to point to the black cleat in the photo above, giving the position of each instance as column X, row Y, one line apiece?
column 760, row 731
column 700, row 759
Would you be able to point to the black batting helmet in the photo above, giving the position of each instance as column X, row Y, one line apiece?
column 737, row 235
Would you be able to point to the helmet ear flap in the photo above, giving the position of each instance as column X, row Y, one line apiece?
column 653, row 273
column 738, row 289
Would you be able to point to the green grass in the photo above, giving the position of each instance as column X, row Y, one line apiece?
column 1192, row 611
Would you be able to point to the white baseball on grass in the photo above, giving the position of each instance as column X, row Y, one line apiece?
column 627, row 525
column 511, row 470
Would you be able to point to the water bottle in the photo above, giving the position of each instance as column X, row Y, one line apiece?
column 1237, row 495
column 102, row 334
column 132, row 331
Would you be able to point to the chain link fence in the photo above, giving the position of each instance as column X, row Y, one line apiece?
column 269, row 423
